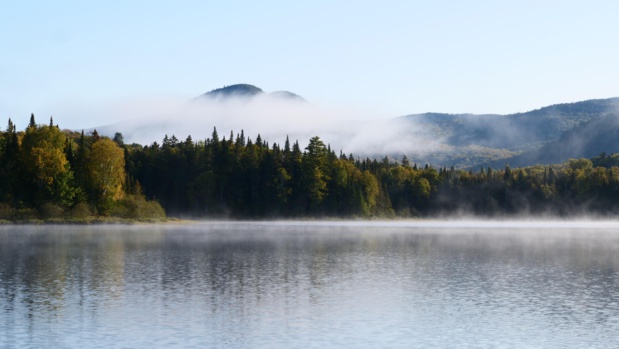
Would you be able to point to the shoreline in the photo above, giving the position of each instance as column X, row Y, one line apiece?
column 91, row 221
column 432, row 222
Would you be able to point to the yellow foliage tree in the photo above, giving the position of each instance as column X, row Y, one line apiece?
column 106, row 170
column 46, row 164
column 44, row 161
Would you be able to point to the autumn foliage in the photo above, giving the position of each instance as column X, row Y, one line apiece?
column 49, row 173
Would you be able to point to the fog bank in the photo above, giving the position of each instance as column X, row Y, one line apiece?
column 352, row 130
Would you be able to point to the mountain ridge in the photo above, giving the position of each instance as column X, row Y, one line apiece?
column 463, row 140
column 249, row 91
column 514, row 131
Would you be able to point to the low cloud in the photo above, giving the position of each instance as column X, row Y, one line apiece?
column 351, row 130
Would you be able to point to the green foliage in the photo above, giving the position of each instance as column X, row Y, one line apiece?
column 54, row 176
column 49, row 210
column 137, row 207
column 80, row 211
column 547, row 135
column 48, row 176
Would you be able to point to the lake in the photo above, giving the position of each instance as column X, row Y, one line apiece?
column 311, row 285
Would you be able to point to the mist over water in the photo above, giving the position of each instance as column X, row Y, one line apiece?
column 311, row 285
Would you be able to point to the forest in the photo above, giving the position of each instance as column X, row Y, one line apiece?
column 51, row 174
column 62, row 176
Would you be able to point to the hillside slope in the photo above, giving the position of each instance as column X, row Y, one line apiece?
column 514, row 131
column 583, row 141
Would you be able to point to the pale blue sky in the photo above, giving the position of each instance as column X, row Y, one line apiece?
column 390, row 57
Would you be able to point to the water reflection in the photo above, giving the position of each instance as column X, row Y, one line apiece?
column 259, row 285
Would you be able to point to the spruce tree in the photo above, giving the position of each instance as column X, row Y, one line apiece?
column 32, row 122
column 287, row 146
column 119, row 139
column 405, row 161
column 215, row 136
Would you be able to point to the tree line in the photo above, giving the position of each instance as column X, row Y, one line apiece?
column 46, row 172
column 240, row 178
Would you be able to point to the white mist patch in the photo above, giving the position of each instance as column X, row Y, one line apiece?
column 441, row 224
column 351, row 130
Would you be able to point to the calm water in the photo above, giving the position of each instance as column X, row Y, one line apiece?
column 321, row 285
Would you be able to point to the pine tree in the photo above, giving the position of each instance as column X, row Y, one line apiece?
column 405, row 161
column 507, row 176
column 315, row 171
column 287, row 146
column 9, row 177
column 215, row 136
column 119, row 139
column 95, row 136
column 32, row 122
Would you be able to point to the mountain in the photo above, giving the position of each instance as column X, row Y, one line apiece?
column 287, row 95
column 239, row 107
column 238, row 90
column 250, row 91
column 520, row 139
column 514, row 131
column 587, row 140
column 550, row 134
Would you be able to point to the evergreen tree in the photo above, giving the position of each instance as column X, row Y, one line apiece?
column 315, row 172
column 215, row 136
column 405, row 161
column 9, row 167
column 32, row 122
column 287, row 146
column 507, row 175
column 119, row 139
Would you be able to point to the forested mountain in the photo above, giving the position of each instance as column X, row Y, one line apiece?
column 238, row 90
column 287, row 95
column 599, row 135
column 247, row 90
column 240, row 106
column 547, row 135
column 514, row 131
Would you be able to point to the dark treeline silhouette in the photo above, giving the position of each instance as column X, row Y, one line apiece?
column 239, row 178
column 47, row 173
column 244, row 178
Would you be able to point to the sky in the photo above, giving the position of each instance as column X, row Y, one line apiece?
column 72, row 59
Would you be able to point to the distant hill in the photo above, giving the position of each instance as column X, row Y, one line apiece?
column 239, row 90
column 547, row 135
column 587, row 140
column 247, row 90
column 287, row 95
column 514, row 131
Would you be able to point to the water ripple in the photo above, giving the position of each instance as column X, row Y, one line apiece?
column 308, row 286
